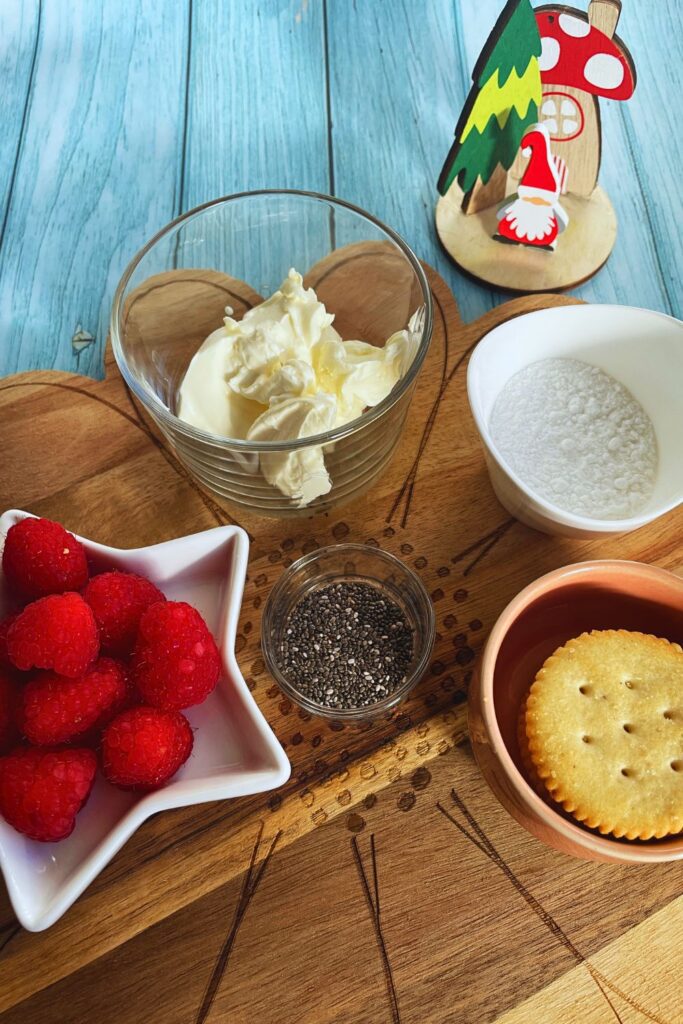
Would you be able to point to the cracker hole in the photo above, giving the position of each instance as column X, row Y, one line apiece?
column 677, row 766
column 628, row 728
column 669, row 715
column 628, row 684
column 627, row 772
column 586, row 739
column 584, row 690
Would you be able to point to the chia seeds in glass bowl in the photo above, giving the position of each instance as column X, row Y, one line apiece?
column 348, row 632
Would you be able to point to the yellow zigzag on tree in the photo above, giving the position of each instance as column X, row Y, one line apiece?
column 517, row 93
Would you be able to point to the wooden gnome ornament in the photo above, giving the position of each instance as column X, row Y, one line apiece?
column 543, row 111
column 535, row 216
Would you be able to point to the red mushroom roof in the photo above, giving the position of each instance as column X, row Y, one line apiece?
column 575, row 53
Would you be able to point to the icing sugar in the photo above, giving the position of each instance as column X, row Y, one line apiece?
column 577, row 437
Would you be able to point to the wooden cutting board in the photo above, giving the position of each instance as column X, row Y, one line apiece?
column 383, row 882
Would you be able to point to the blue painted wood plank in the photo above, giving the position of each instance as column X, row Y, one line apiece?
column 96, row 173
column 257, row 119
column 641, row 155
column 651, row 124
column 96, row 152
column 257, row 98
column 397, row 81
column 19, row 30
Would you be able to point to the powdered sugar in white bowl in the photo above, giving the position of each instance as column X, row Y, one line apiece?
column 578, row 437
column 640, row 349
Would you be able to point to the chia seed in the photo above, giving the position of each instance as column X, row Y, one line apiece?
column 347, row 665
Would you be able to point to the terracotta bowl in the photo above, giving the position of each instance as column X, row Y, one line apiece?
column 547, row 613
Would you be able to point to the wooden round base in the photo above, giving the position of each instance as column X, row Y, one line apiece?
column 581, row 249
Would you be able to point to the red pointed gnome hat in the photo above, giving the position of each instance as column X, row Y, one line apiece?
column 540, row 177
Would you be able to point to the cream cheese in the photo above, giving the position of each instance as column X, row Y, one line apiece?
column 283, row 372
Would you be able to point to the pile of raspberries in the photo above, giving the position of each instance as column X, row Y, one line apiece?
column 94, row 671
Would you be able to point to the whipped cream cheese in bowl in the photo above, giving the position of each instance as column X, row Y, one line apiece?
column 275, row 338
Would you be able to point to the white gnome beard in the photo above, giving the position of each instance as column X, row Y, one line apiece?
column 529, row 220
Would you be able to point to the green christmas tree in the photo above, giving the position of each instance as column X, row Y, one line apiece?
column 502, row 104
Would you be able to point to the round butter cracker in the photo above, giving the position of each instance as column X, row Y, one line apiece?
column 604, row 727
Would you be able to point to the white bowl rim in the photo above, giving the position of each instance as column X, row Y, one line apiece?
column 171, row 421
column 554, row 512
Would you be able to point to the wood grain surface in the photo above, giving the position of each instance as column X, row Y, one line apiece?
column 120, row 114
column 383, row 882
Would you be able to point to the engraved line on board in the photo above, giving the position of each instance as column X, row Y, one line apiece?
column 250, row 884
column 485, row 845
column 371, row 894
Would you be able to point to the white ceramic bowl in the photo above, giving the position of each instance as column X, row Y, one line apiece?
column 640, row 348
column 235, row 751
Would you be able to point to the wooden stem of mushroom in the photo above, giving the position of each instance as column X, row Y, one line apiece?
column 604, row 14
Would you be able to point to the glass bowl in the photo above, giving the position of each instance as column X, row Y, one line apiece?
column 235, row 252
column 341, row 563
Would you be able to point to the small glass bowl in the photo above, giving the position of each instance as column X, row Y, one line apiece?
column 344, row 563
column 235, row 251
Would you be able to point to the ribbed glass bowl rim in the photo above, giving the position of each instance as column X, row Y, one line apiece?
column 173, row 423
column 369, row 710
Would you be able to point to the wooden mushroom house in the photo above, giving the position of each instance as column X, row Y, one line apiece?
column 581, row 61
column 573, row 59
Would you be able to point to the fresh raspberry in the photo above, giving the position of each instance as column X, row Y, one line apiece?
column 4, row 630
column 42, row 791
column 41, row 557
column 175, row 662
column 9, row 695
column 143, row 747
column 118, row 599
column 57, row 632
column 55, row 709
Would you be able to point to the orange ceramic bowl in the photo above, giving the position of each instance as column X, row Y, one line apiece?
column 547, row 613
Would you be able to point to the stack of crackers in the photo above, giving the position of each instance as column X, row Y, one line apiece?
column 601, row 733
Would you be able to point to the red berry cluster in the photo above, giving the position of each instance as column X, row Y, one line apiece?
column 91, row 671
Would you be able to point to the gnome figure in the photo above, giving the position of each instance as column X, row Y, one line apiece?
column 535, row 216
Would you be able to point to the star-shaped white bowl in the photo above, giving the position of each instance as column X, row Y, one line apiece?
column 235, row 751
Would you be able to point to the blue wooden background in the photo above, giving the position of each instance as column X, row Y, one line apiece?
column 119, row 114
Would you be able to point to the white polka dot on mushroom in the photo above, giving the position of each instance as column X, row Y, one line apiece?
column 604, row 71
column 574, row 26
column 550, row 53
